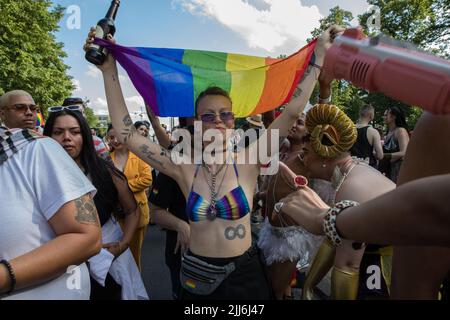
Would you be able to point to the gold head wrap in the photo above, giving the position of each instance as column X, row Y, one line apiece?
column 331, row 122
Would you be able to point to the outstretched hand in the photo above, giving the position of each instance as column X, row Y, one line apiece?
column 306, row 208
column 110, row 62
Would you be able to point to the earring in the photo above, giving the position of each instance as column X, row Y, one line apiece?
column 324, row 165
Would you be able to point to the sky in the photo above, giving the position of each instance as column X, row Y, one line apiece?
column 254, row 27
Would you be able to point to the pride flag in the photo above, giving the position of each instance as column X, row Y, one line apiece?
column 170, row 80
column 40, row 120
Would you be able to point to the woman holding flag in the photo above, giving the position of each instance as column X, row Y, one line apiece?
column 221, row 262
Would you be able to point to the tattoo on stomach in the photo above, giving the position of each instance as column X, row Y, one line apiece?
column 232, row 232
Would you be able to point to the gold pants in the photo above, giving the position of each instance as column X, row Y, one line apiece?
column 344, row 284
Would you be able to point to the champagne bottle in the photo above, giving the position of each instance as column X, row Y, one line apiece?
column 97, row 54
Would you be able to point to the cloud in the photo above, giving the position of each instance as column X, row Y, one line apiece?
column 93, row 72
column 267, row 24
column 99, row 102
column 76, row 85
column 134, row 102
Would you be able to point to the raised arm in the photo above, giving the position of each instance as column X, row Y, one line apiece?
column 148, row 151
column 296, row 106
column 305, row 88
column 78, row 237
column 160, row 132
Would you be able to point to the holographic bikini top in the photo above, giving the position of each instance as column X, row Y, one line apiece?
column 232, row 206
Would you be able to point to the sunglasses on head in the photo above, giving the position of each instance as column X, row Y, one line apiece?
column 22, row 107
column 61, row 108
column 224, row 116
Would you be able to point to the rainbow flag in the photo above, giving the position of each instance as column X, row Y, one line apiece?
column 190, row 283
column 170, row 80
column 40, row 120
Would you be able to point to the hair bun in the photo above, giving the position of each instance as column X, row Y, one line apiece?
column 325, row 120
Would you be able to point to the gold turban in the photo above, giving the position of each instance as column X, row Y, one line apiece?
column 331, row 122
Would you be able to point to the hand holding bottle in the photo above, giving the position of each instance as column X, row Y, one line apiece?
column 109, row 63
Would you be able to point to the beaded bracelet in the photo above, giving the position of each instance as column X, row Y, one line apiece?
column 12, row 275
column 329, row 222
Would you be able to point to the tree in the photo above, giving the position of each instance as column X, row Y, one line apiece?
column 30, row 57
column 90, row 117
column 337, row 16
column 425, row 23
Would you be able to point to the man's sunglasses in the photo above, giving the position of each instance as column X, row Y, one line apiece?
column 224, row 116
column 22, row 107
column 61, row 108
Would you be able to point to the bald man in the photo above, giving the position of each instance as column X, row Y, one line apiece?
column 18, row 110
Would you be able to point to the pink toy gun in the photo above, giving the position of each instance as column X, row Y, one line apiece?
column 394, row 68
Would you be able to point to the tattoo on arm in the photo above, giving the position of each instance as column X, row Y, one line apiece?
column 232, row 232
column 129, row 131
column 150, row 155
column 86, row 212
column 127, row 121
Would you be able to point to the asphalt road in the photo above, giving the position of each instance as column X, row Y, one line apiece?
column 154, row 270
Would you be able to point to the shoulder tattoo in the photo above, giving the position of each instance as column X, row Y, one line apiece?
column 86, row 212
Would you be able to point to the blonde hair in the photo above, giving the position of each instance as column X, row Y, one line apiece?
column 4, row 99
column 329, row 121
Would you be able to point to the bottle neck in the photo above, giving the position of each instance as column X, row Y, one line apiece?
column 112, row 11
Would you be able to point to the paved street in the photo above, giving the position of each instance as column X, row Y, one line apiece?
column 154, row 271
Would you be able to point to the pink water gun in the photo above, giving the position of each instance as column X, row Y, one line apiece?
column 397, row 69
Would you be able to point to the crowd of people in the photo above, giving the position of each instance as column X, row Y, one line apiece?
column 345, row 197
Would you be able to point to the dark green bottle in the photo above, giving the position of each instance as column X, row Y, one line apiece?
column 97, row 54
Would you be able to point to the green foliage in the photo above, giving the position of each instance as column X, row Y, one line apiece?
column 90, row 117
column 30, row 56
column 425, row 23
column 337, row 16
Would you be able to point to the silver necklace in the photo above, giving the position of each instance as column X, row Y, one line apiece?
column 211, row 214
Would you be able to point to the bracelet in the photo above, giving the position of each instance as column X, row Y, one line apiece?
column 12, row 275
column 325, row 101
column 312, row 61
column 329, row 222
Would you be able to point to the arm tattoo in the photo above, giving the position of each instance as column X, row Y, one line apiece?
column 232, row 232
column 129, row 131
column 86, row 212
column 150, row 155
column 127, row 121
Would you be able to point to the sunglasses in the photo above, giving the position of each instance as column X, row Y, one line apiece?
column 21, row 107
column 61, row 108
column 224, row 116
